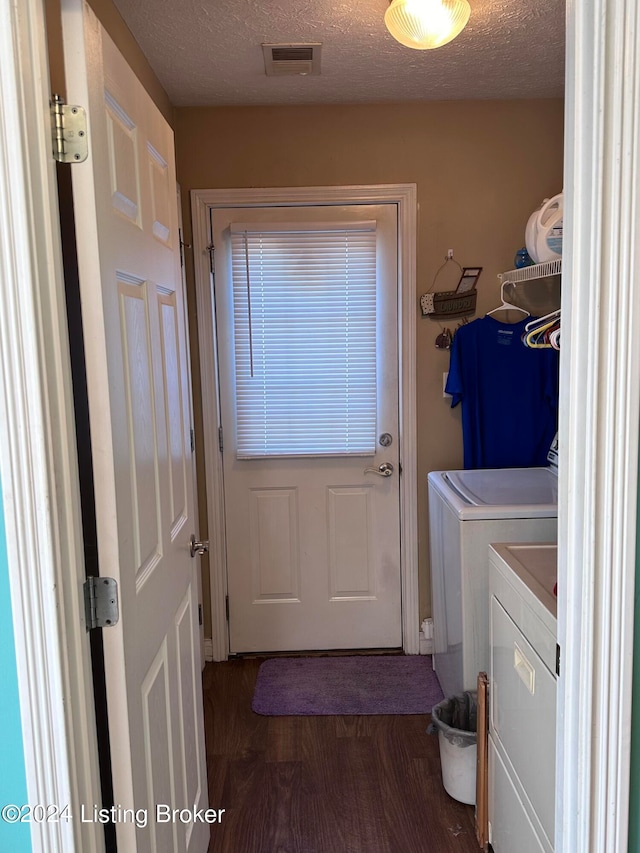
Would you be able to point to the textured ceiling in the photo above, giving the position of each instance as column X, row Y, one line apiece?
column 207, row 53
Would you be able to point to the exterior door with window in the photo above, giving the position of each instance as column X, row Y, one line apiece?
column 306, row 308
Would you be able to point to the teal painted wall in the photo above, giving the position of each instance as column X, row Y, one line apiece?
column 13, row 784
column 634, row 793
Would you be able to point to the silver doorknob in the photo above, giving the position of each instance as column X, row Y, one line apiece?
column 384, row 470
column 199, row 547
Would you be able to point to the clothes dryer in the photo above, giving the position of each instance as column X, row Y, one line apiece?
column 468, row 511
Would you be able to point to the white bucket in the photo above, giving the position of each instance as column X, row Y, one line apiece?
column 459, row 769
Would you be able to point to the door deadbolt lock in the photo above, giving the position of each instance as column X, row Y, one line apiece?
column 385, row 440
column 198, row 548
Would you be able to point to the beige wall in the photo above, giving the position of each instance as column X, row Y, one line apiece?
column 481, row 167
column 113, row 23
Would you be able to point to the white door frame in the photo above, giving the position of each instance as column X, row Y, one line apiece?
column 598, row 479
column 599, row 418
column 405, row 196
column 38, row 461
column 194, row 467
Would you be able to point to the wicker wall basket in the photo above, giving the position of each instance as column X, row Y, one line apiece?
column 448, row 303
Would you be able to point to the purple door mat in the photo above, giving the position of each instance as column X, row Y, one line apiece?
column 363, row 684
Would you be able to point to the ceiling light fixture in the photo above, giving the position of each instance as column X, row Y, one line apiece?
column 425, row 24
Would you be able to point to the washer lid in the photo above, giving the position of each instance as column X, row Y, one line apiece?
column 499, row 492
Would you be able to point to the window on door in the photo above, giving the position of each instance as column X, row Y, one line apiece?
column 304, row 305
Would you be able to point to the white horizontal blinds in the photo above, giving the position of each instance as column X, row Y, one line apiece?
column 304, row 299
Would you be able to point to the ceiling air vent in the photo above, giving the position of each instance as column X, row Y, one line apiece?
column 286, row 60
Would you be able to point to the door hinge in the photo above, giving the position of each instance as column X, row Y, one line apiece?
column 100, row 602
column 557, row 660
column 183, row 246
column 68, row 131
column 226, row 606
column 193, row 441
column 220, row 439
column 212, row 250
column 199, row 614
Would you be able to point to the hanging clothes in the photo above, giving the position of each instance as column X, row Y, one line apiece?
column 509, row 395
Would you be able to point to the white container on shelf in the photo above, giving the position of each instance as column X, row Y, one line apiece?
column 543, row 234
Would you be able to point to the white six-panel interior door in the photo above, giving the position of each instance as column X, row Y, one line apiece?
column 138, row 383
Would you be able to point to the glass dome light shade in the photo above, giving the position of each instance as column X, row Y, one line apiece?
column 425, row 24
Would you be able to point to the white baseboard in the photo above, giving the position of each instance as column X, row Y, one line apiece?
column 208, row 648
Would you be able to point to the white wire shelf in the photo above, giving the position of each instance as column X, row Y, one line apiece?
column 532, row 272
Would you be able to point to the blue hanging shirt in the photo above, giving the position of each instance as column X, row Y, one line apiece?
column 509, row 395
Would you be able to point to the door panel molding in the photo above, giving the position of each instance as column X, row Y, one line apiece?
column 405, row 197
column 275, row 560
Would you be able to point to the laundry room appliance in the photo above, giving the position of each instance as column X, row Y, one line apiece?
column 469, row 510
column 523, row 691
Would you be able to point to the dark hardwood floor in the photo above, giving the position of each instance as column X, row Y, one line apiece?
column 323, row 784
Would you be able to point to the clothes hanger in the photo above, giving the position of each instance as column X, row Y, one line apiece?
column 554, row 338
column 543, row 332
column 538, row 338
column 538, row 321
column 506, row 306
column 543, row 336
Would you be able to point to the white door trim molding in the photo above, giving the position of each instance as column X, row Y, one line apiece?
column 38, row 462
column 599, row 416
column 405, row 196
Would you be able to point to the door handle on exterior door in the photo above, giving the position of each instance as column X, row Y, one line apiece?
column 198, row 547
column 384, row 470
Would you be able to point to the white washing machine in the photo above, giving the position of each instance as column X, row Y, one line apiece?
column 469, row 510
